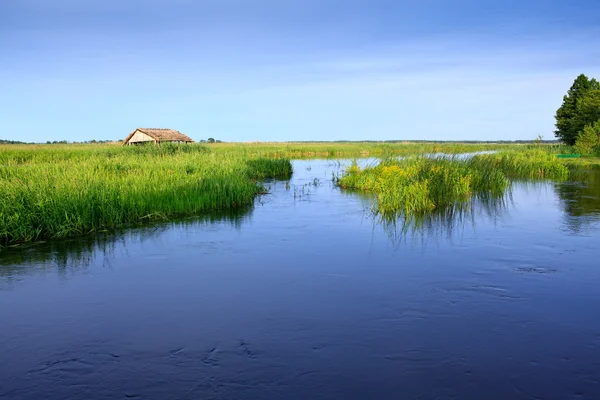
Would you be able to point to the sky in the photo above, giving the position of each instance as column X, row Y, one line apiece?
column 285, row 70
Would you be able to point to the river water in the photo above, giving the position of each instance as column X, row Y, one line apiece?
column 309, row 296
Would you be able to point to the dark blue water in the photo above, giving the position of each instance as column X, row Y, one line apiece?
column 309, row 296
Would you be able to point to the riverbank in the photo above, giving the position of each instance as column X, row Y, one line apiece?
column 582, row 162
column 58, row 192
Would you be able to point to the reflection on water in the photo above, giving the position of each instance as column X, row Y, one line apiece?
column 580, row 199
column 62, row 257
column 581, row 195
column 74, row 255
column 443, row 222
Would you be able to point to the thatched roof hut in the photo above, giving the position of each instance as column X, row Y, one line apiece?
column 145, row 135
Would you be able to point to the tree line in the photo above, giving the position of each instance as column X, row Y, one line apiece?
column 578, row 117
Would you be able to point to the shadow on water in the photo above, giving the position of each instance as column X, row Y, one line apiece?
column 75, row 255
column 580, row 199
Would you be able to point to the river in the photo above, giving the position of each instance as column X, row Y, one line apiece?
column 308, row 295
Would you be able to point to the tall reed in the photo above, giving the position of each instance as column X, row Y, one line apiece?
column 422, row 184
column 62, row 193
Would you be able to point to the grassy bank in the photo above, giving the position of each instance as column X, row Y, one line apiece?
column 422, row 184
column 56, row 192
column 582, row 162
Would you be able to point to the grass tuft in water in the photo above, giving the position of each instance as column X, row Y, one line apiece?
column 422, row 184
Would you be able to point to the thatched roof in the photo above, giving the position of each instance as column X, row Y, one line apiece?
column 161, row 135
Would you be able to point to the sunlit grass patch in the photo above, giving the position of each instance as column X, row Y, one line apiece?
column 422, row 184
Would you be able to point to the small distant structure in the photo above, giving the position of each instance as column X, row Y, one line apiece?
column 155, row 135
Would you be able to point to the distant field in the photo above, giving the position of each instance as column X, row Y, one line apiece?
column 281, row 149
column 364, row 149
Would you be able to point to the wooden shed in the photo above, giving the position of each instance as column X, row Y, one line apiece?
column 155, row 135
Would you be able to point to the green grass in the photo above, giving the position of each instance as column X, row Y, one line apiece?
column 301, row 150
column 422, row 184
column 269, row 168
column 12, row 154
column 65, row 190
column 583, row 162
column 57, row 192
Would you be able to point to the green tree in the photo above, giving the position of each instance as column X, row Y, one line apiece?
column 568, row 121
column 211, row 140
column 589, row 139
column 588, row 110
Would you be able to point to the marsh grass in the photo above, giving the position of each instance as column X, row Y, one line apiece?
column 583, row 162
column 63, row 192
column 333, row 150
column 418, row 185
column 56, row 191
column 269, row 168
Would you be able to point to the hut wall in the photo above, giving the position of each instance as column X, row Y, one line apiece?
column 140, row 137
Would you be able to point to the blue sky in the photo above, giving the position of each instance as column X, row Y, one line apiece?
column 280, row 70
